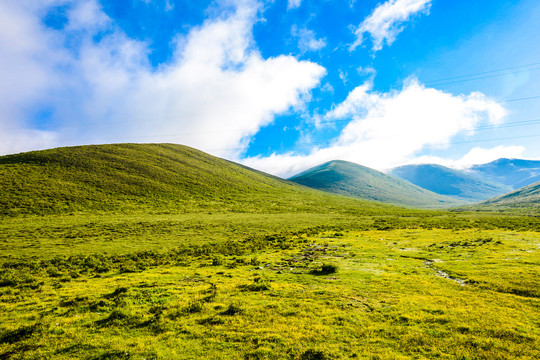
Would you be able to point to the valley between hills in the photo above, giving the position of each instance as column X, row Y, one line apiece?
column 160, row 251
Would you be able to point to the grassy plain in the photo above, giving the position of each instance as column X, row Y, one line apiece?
column 471, row 292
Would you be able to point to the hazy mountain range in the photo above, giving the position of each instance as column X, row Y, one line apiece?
column 428, row 185
column 516, row 173
column 454, row 183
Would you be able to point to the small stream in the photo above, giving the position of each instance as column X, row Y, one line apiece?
column 443, row 274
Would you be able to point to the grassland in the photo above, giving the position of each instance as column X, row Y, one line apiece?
column 395, row 294
column 266, row 270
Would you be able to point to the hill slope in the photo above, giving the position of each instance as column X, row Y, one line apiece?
column 450, row 182
column 512, row 172
column 346, row 178
column 526, row 197
column 149, row 177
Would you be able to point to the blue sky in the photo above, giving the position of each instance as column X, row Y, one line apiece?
column 278, row 85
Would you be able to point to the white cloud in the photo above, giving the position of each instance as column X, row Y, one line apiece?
column 479, row 155
column 367, row 71
column 386, row 21
column 307, row 40
column 390, row 129
column 87, row 15
column 343, row 76
column 214, row 95
column 327, row 87
column 29, row 62
column 293, row 4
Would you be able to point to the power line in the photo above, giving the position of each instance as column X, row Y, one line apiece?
column 238, row 130
column 520, row 99
column 365, row 140
column 435, row 144
column 511, row 124
column 479, row 78
column 330, row 141
column 500, row 102
column 481, row 73
column 478, row 128
column 345, row 120
column 335, row 141
column 496, row 139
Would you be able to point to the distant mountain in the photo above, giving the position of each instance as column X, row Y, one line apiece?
column 150, row 178
column 512, row 172
column 450, row 182
column 526, row 197
column 346, row 178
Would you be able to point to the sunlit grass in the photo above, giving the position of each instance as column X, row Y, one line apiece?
column 386, row 300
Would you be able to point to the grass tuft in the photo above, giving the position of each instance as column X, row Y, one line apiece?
column 326, row 269
column 233, row 309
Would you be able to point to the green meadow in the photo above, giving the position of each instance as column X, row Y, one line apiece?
column 263, row 269
column 244, row 290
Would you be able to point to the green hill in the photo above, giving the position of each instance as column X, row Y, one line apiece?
column 450, row 182
column 162, row 178
column 527, row 197
column 346, row 178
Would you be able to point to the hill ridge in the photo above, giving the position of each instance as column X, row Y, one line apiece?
column 350, row 179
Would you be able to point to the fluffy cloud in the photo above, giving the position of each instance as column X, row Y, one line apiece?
column 307, row 41
column 214, row 95
column 390, row 129
column 413, row 117
column 386, row 21
column 28, row 65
